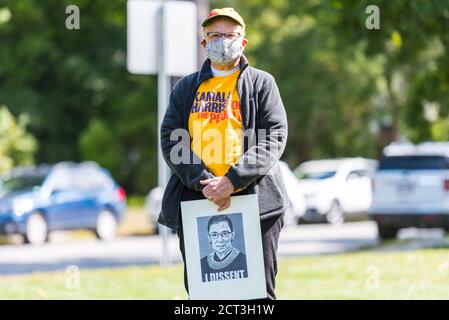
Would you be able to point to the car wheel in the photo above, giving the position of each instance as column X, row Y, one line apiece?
column 335, row 215
column 387, row 232
column 106, row 226
column 36, row 229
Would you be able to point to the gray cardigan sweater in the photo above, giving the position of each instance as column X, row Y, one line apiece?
column 257, row 170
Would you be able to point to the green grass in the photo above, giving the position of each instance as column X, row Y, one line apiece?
column 420, row 274
column 120, row 283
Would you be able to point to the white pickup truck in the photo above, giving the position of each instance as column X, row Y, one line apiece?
column 411, row 188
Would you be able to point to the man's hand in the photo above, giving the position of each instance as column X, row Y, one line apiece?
column 224, row 204
column 218, row 190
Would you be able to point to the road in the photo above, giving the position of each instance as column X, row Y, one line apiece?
column 144, row 250
column 302, row 240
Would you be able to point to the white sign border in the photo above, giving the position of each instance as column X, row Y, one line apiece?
column 253, row 287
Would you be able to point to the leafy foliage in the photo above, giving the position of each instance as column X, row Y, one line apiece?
column 17, row 147
column 348, row 90
column 73, row 84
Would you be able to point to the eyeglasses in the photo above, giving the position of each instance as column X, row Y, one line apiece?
column 228, row 35
column 223, row 234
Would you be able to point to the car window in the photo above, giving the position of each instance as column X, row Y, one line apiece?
column 318, row 175
column 414, row 163
column 63, row 180
column 92, row 179
column 21, row 183
column 359, row 174
column 79, row 179
column 353, row 175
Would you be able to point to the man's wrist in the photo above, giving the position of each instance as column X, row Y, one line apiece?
column 231, row 178
column 230, row 183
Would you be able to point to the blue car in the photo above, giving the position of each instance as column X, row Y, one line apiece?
column 64, row 196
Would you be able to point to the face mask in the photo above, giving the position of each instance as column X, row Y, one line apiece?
column 224, row 51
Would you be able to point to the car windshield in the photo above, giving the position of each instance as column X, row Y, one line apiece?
column 316, row 175
column 21, row 183
column 414, row 163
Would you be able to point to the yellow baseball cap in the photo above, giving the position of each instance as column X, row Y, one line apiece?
column 224, row 12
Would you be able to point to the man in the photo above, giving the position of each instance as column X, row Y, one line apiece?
column 225, row 262
column 233, row 132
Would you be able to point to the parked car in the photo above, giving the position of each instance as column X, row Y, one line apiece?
column 336, row 189
column 295, row 194
column 153, row 204
column 411, row 188
column 293, row 214
column 37, row 200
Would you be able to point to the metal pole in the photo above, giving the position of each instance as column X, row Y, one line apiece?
column 163, row 82
column 202, row 9
column 164, row 88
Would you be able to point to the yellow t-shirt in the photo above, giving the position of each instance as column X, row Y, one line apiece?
column 215, row 123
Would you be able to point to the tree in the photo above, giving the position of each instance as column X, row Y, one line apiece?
column 327, row 91
column 413, row 43
column 69, row 81
column 17, row 147
column 349, row 90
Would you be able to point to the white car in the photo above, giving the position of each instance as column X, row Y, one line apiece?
column 411, row 188
column 294, row 213
column 295, row 195
column 153, row 204
column 336, row 188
